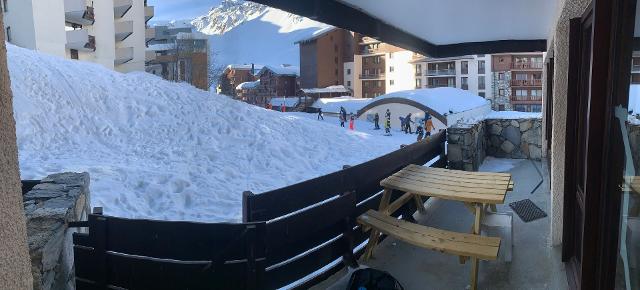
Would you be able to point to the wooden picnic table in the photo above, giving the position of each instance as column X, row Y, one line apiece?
column 475, row 189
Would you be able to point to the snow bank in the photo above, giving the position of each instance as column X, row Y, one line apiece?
column 442, row 100
column 511, row 115
column 163, row 150
column 332, row 105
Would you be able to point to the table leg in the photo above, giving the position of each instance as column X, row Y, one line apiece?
column 419, row 204
column 375, row 234
column 474, row 261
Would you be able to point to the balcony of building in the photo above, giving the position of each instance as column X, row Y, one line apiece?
column 123, row 55
column 527, row 83
column 123, row 29
column 77, row 12
column 149, row 56
column 526, row 99
column 527, row 65
column 372, row 76
column 121, row 7
column 80, row 40
column 149, row 12
column 149, row 34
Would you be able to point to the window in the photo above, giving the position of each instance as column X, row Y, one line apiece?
column 391, row 82
column 536, row 108
column 391, row 55
column 501, row 92
column 8, row 33
column 390, row 69
column 465, row 83
column 464, row 67
column 348, row 83
column 521, row 77
column 348, row 71
column 418, row 69
column 365, row 72
column 481, row 67
column 74, row 53
column 481, row 83
column 379, row 84
column 520, row 108
column 500, row 107
column 501, row 76
column 481, row 94
column 365, row 84
column 418, row 83
column 376, row 59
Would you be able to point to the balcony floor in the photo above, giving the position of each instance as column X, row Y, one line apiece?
column 535, row 264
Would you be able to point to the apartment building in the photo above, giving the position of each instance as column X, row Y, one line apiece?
column 517, row 82
column 234, row 75
column 378, row 68
column 111, row 33
column 322, row 58
column 470, row 72
column 179, row 55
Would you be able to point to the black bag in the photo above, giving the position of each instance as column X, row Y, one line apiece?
column 372, row 279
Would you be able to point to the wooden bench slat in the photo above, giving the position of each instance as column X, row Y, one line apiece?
column 437, row 185
column 457, row 186
column 460, row 244
column 454, row 178
column 464, row 173
column 446, row 193
column 446, row 175
column 457, row 182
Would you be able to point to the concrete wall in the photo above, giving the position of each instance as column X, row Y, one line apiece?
column 559, row 44
column 14, row 270
column 104, row 31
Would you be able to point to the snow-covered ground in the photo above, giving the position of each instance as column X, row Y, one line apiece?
column 162, row 150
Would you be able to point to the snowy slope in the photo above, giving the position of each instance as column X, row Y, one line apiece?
column 246, row 32
column 163, row 150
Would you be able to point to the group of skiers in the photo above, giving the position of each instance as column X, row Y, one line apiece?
column 343, row 118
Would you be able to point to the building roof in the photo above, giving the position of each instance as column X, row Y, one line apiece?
column 444, row 101
column 248, row 85
column 161, row 47
column 316, row 34
column 329, row 89
column 281, row 70
column 244, row 66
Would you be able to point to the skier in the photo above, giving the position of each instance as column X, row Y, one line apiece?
column 420, row 131
column 387, row 126
column 351, row 121
column 343, row 116
column 403, row 125
column 408, row 122
column 320, row 114
column 376, row 119
column 428, row 125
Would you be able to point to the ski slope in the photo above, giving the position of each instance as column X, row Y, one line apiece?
column 163, row 150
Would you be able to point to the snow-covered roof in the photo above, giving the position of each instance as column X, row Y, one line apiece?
column 244, row 66
column 287, row 101
column 329, row 89
column 444, row 101
column 191, row 35
column 332, row 105
column 317, row 33
column 247, row 85
column 161, row 46
column 281, row 70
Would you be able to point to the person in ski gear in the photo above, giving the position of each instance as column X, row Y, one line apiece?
column 376, row 120
column 428, row 125
column 351, row 121
column 387, row 126
column 420, row 131
column 343, row 116
column 403, row 125
column 408, row 122
column 388, row 114
column 320, row 114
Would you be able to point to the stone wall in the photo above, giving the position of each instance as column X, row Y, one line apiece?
column 517, row 139
column 468, row 144
column 49, row 207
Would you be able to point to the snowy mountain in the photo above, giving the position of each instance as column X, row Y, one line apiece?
column 163, row 150
column 246, row 32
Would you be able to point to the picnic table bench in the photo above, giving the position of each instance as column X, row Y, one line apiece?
column 475, row 189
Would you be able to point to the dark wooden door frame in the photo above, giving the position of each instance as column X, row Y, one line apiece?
column 548, row 99
column 612, row 38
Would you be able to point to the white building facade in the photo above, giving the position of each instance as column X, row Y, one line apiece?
column 112, row 33
column 471, row 72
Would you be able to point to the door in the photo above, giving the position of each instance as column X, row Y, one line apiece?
column 598, row 80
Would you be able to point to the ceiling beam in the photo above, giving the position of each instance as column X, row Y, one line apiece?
column 341, row 15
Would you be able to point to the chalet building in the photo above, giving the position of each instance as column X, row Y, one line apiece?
column 272, row 82
column 378, row 68
column 180, row 57
column 470, row 72
column 322, row 57
column 234, row 75
column 517, row 82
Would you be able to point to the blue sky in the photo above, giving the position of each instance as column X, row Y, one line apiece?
column 181, row 9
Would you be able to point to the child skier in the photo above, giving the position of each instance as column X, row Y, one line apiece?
column 387, row 127
column 376, row 119
column 320, row 114
column 420, row 130
column 428, row 125
column 351, row 121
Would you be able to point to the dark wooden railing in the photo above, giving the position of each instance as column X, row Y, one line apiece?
column 287, row 235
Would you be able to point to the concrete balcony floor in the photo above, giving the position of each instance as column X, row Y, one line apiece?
column 535, row 264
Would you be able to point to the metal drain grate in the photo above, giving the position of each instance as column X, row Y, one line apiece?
column 527, row 210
